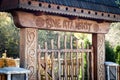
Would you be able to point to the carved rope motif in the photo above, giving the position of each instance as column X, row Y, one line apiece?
column 101, row 57
column 31, row 52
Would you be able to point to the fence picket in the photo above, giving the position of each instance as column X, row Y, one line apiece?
column 92, row 60
column 46, row 64
column 52, row 46
column 39, row 62
column 82, row 45
column 77, row 71
column 65, row 57
column 59, row 69
column 71, row 47
column 87, row 54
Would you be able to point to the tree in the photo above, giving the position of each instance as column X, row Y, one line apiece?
column 9, row 35
column 117, row 53
column 118, row 2
column 113, row 35
column 109, row 52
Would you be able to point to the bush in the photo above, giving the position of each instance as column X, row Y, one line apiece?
column 117, row 54
column 110, row 55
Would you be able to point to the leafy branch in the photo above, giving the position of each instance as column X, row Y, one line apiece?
column 117, row 2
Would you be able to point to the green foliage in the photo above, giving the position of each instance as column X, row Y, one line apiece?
column 9, row 35
column 117, row 53
column 117, row 2
column 110, row 55
column 113, row 35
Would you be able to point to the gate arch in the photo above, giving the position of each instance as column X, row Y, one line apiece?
column 28, row 40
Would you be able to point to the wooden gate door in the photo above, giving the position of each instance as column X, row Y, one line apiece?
column 73, row 63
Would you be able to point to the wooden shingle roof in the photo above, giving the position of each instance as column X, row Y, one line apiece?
column 108, row 6
column 93, row 9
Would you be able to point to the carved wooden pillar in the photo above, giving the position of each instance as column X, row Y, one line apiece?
column 28, row 51
column 98, row 41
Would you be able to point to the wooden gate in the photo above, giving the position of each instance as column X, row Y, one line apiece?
column 74, row 63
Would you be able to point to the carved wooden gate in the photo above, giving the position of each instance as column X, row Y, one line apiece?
column 73, row 63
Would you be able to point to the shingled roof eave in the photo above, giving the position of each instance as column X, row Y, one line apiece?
column 53, row 9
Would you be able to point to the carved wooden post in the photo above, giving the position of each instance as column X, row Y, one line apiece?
column 28, row 51
column 98, row 41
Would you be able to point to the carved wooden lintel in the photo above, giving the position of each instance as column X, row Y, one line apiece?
column 50, row 22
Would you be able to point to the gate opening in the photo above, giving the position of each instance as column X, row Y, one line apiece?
column 64, row 56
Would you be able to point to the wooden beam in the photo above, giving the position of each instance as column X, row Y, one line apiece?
column 29, row 20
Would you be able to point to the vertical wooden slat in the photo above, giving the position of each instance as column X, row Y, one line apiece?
column 82, row 61
column 65, row 58
column 71, row 47
column 92, row 63
column 46, row 65
column 87, row 54
column 52, row 46
column 39, row 62
column 77, row 71
column 59, row 69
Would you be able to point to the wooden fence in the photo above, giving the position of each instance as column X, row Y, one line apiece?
column 75, row 63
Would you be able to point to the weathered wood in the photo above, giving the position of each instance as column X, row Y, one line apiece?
column 65, row 38
column 52, row 46
column 28, row 51
column 59, row 69
column 99, row 56
column 29, row 23
column 94, row 40
column 92, row 64
column 88, row 64
column 29, row 20
column 77, row 71
column 68, row 67
column 39, row 62
column 82, row 45
column 71, row 47
column 46, row 64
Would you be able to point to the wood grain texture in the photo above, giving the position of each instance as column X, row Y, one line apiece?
column 28, row 51
column 51, row 22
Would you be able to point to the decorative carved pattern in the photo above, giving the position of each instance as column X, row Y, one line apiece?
column 28, row 51
column 60, row 23
column 101, row 57
column 31, row 41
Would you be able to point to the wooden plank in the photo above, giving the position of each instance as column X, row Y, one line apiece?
column 39, row 62
column 66, row 50
column 46, row 65
column 92, row 63
column 60, row 23
column 52, row 46
column 77, row 71
column 65, row 57
column 71, row 47
column 59, row 68
column 82, row 61
column 88, row 64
